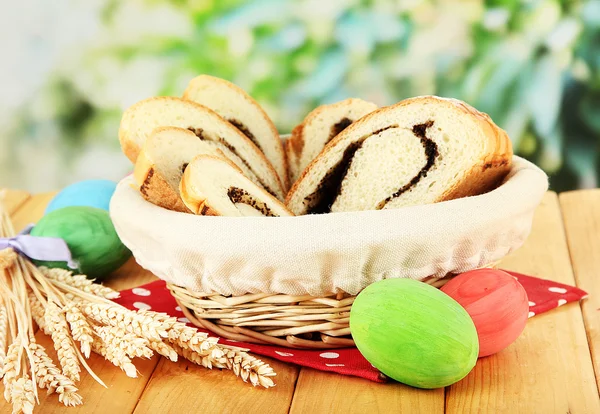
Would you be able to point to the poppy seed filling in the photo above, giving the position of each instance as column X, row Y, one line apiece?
column 199, row 132
column 338, row 127
column 238, row 195
column 321, row 200
column 244, row 130
column 330, row 186
column 431, row 152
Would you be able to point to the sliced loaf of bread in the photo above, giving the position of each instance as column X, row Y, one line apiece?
column 418, row 151
column 141, row 119
column 241, row 110
column 214, row 186
column 163, row 159
column 318, row 128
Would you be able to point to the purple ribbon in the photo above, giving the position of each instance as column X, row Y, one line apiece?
column 51, row 249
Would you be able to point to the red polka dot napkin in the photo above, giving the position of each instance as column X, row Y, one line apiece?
column 543, row 295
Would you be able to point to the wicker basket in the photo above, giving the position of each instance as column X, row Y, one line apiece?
column 275, row 319
column 297, row 262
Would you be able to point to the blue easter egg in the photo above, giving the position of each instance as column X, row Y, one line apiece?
column 89, row 193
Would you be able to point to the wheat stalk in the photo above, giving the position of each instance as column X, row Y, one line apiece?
column 250, row 368
column 163, row 349
column 118, row 358
column 3, row 337
column 38, row 312
column 80, row 328
column 117, row 340
column 52, row 379
column 189, row 338
column 188, row 342
column 11, row 368
column 22, row 395
column 80, row 282
column 7, row 258
column 141, row 324
column 65, row 349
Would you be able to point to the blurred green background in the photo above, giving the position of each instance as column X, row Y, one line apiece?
column 72, row 67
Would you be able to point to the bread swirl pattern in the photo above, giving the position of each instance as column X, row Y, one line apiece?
column 421, row 150
column 318, row 128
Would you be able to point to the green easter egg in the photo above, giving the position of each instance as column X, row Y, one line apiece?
column 91, row 237
column 414, row 333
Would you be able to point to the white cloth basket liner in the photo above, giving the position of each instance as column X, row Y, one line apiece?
column 323, row 254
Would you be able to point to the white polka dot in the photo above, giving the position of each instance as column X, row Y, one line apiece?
column 283, row 353
column 561, row 302
column 141, row 306
column 557, row 290
column 334, row 365
column 178, row 309
column 184, row 320
column 141, row 292
column 531, row 314
column 531, row 303
column 329, row 355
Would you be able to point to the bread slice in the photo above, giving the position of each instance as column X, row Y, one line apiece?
column 420, row 150
column 142, row 118
column 164, row 157
column 318, row 128
column 213, row 186
column 237, row 107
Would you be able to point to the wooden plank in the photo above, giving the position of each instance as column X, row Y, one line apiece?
column 184, row 387
column 13, row 199
column 324, row 392
column 581, row 215
column 32, row 210
column 548, row 369
column 129, row 276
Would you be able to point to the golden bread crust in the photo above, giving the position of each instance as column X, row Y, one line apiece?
column 131, row 149
column 156, row 190
column 251, row 100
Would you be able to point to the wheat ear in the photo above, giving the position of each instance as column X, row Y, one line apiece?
column 117, row 358
column 7, row 258
column 3, row 337
column 80, row 282
column 80, row 328
column 116, row 339
column 250, row 368
column 22, row 395
column 11, row 368
column 38, row 312
column 52, row 379
column 65, row 349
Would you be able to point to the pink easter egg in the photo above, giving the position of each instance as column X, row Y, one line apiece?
column 496, row 302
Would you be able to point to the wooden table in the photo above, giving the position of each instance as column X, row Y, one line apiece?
column 552, row 368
